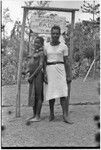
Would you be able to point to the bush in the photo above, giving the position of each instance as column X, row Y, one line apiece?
column 9, row 74
column 76, row 57
column 89, row 53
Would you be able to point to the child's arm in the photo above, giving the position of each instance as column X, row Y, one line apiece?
column 29, row 66
column 35, row 73
column 25, row 72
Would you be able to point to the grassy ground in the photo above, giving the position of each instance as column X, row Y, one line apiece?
column 84, row 104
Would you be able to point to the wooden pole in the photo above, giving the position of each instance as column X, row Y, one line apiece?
column 71, row 35
column 71, row 50
column 20, row 64
column 0, row 24
column 0, row 44
column 94, row 70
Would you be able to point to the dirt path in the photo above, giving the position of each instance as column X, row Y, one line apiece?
column 84, row 105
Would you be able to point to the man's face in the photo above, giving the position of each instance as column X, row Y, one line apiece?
column 55, row 34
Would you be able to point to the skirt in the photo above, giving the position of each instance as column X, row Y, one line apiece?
column 57, row 85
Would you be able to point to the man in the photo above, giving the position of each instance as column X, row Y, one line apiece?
column 58, row 73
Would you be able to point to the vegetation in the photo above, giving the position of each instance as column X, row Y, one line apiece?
column 83, row 52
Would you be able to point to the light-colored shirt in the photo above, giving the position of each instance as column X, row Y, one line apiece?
column 55, row 53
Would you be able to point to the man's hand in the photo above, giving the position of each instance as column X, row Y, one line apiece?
column 69, row 80
column 23, row 73
column 30, row 80
column 45, row 78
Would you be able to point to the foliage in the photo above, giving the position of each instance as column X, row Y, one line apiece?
column 83, row 52
column 84, row 41
column 90, row 8
column 76, row 57
column 11, row 45
column 89, row 53
column 6, row 16
column 6, row 19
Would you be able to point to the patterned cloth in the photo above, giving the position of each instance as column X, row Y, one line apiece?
column 57, row 85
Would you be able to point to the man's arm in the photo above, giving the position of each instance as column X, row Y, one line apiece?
column 67, row 64
column 44, row 69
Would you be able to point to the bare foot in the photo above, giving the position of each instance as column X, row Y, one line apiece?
column 31, row 118
column 35, row 119
column 51, row 117
column 67, row 120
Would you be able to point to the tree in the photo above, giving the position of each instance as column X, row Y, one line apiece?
column 42, row 4
column 30, row 13
column 94, row 10
column 6, row 20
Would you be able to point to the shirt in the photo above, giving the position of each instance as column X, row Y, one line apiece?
column 55, row 53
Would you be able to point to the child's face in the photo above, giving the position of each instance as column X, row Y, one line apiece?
column 37, row 43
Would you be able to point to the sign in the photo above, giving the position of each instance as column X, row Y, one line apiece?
column 44, row 24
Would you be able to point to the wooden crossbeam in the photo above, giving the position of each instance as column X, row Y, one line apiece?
column 50, row 9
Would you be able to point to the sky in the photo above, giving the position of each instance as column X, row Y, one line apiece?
column 16, row 12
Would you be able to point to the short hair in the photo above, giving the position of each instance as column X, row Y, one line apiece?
column 56, row 27
column 41, row 39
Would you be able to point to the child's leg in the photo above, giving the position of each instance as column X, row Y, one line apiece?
column 34, row 111
column 31, row 98
column 38, row 97
column 51, row 105
column 38, row 109
column 35, row 104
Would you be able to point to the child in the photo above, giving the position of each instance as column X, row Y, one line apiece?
column 36, row 68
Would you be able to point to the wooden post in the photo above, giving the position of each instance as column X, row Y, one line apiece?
column 20, row 64
column 0, row 24
column 94, row 69
column 71, row 50
column 0, row 47
column 71, row 36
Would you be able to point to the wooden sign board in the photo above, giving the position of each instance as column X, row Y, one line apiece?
column 43, row 24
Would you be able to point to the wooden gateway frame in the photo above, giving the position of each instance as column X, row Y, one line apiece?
column 25, row 11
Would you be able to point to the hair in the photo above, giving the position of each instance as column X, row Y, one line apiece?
column 41, row 39
column 56, row 27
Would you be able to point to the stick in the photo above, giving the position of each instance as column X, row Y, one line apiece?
column 89, row 70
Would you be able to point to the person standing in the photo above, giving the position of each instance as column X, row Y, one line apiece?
column 36, row 70
column 58, row 73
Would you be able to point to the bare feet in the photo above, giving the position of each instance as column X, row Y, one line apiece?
column 67, row 120
column 31, row 118
column 51, row 117
column 36, row 119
